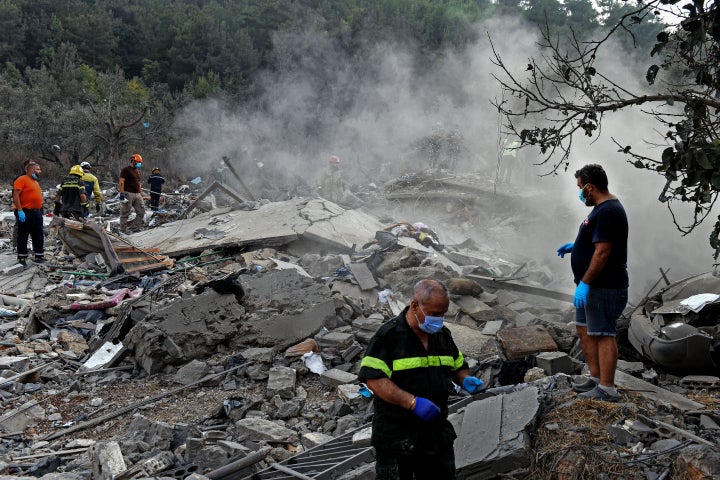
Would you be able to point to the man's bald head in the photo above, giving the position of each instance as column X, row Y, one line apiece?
column 427, row 289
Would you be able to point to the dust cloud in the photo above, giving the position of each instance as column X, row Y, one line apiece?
column 372, row 109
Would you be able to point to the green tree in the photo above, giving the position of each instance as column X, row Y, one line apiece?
column 566, row 94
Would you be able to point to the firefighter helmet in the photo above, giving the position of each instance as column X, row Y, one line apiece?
column 136, row 158
column 76, row 170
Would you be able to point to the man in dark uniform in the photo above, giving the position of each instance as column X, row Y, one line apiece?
column 156, row 182
column 410, row 365
column 70, row 199
column 599, row 264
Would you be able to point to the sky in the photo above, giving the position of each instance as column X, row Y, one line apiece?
column 372, row 111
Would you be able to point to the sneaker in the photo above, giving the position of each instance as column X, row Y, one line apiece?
column 585, row 386
column 598, row 393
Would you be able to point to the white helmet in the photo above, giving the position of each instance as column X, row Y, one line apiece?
column 85, row 165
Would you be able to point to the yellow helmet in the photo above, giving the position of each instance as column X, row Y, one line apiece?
column 135, row 157
column 76, row 170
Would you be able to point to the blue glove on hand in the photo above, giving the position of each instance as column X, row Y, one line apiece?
column 21, row 216
column 425, row 409
column 581, row 293
column 567, row 248
column 472, row 384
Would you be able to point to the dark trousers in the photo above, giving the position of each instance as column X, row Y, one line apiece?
column 391, row 466
column 32, row 227
column 154, row 201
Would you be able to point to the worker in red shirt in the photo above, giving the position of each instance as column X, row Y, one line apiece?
column 131, row 193
column 28, row 209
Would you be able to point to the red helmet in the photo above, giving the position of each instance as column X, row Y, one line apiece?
column 334, row 160
column 136, row 158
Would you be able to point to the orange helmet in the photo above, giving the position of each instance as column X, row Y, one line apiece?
column 334, row 160
column 136, row 158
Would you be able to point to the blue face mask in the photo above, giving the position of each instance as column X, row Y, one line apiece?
column 34, row 175
column 431, row 324
column 138, row 165
column 581, row 196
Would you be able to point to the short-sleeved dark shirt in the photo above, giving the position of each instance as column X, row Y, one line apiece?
column 607, row 222
column 395, row 352
column 132, row 179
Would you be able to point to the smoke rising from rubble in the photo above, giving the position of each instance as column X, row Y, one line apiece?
column 372, row 110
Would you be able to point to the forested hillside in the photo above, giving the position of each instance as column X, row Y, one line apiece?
column 86, row 79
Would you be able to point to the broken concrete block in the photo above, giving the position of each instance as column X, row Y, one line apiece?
column 16, row 363
column 471, row 342
column 535, row 373
column 555, row 362
column 697, row 461
column 313, row 439
column 105, row 356
column 258, row 429
column 492, row 436
column 362, row 437
column 630, row 367
column 258, row 355
column 350, row 393
column 281, row 381
column 522, row 341
column 351, row 352
column 489, row 299
column 306, row 346
column 524, row 319
column 370, row 323
column 506, row 297
column 335, row 377
column 191, row 373
column 492, row 327
column 335, row 339
column 464, row 286
column 476, row 309
column 107, row 460
column 17, row 419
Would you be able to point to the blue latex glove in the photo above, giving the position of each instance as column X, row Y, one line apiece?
column 567, row 248
column 472, row 384
column 21, row 216
column 581, row 293
column 425, row 409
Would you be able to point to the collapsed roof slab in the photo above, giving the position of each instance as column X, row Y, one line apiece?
column 271, row 225
column 493, row 436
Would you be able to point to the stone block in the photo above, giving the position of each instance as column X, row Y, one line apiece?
column 506, row 297
column 261, row 355
column 281, row 381
column 490, row 299
column 476, row 309
column 107, row 460
column 492, row 327
column 519, row 342
column 313, row 439
column 335, row 377
column 555, row 362
column 191, row 373
column 17, row 419
column 334, row 339
column 371, row 323
column 259, row 429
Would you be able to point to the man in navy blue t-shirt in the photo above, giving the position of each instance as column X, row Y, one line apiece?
column 599, row 264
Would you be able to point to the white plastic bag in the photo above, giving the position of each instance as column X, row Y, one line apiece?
column 314, row 362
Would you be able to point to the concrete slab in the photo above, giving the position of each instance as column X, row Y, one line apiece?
column 519, row 342
column 471, row 342
column 272, row 224
column 648, row 390
column 493, row 436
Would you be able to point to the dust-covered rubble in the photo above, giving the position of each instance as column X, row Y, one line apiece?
column 241, row 355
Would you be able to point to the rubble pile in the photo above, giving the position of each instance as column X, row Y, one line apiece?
column 228, row 344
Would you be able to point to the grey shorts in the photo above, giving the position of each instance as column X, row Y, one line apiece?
column 603, row 307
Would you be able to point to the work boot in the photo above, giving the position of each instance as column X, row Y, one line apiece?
column 39, row 259
column 585, row 386
column 22, row 262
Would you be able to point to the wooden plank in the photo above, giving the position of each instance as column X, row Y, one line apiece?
column 138, row 259
column 166, row 263
column 653, row 392
column 363, row 275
